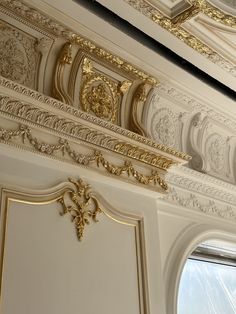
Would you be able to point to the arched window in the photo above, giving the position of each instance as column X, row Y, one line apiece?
column 208, row 282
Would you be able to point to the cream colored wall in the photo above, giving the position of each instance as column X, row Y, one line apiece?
column 47, row 269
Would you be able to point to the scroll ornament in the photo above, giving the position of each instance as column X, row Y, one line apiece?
column 80, row 205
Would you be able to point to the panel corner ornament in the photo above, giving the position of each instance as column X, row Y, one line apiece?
column 81, row 205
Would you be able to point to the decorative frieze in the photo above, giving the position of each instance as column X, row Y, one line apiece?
column 62, row 136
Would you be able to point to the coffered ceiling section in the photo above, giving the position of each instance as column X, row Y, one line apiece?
column 201, row 31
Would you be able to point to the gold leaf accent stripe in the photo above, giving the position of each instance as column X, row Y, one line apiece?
column 96, row 157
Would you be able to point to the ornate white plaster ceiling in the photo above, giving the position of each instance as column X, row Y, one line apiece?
column 201, row 31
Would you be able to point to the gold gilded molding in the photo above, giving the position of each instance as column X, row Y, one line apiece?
column 81, row 206
column 65, row 56
column 141, row 154
column 203, row 6
column 96, row 157
column 215, row 13
column 98, row 94
column 64, row 59
column 114, row 60
column 24, row 110
column 174, row 26
column 189, row 13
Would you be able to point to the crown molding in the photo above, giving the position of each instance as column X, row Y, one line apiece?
column 51, row 127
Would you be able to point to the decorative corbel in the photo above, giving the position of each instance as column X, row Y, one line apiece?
column 137, row 107
column 64, row 59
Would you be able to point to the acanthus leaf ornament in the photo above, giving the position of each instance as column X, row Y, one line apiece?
column 99, row 95
column 80, row 205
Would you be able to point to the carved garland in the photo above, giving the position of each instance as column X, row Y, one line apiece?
column 191, row 201
column 96, row 157
column 46, row 119
column 80, row 205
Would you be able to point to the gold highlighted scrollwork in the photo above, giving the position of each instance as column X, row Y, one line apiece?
column 138, row 102
column 66, row 54
column 114, row 60
column 96, row 157
column 65, row 58
column 80, row 205
column 99, row 95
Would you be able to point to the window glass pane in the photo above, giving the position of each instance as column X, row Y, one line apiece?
column 207, row 288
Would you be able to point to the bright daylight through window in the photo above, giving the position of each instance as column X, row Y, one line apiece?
column 208, row 282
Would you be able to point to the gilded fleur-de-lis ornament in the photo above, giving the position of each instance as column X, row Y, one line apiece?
column 81, row 205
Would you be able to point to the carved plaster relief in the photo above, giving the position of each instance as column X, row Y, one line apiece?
column 19, row 57
column 163, row 127
column 201, row 193
column 216, row 151
column 215, row 35
column 177, row 119
column 112, row 93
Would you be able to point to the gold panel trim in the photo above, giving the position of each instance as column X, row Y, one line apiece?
column 56, row 194
column 96, row 157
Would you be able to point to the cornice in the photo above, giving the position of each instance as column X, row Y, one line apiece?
column 175, row 27
column 53, row 103
column 42, row 22
column 65, row 130
column 199, row 183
